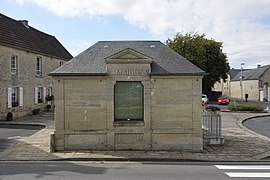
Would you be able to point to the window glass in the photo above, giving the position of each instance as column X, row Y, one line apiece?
column 15, row 96
column 40, row 93
column 128, row 104
column 39, row 66
column 14, row 65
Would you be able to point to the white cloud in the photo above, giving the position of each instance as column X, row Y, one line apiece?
column 241, row 25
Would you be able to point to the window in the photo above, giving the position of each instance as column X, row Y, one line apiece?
column 15, row 96
column 39, row 66
column 61, row 63
column 49, row 91
column 14, row 65
column 40, row 94
column 260, row 84
column 128, row 101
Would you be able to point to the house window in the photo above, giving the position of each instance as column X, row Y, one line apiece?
column 61, row 63
column 14, row 65
column 39, row 66
column 15, row 96
column 128, row 101
column 260, row 84
column 40, row 92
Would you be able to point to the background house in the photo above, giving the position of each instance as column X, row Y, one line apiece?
column 120, row 95
column 224, row 87
column 27, row 55
column 255, row 83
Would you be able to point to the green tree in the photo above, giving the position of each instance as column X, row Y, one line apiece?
column 205, row 53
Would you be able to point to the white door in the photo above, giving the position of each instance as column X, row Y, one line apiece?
column 268, row 94
column 261, row 95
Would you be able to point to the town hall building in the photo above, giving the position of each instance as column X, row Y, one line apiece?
column 128, row 95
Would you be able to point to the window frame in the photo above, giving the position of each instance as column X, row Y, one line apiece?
column 61, row 63
column 142, row 93
column 40, row 95
column 39, row 66
column 15, row 96
column 14, row 70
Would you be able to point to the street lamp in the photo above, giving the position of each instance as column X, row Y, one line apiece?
column 241, row 83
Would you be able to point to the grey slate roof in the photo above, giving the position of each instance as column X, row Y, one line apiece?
column 251, row 74
column 19, row 35
column 234, row 72
column 164, row 60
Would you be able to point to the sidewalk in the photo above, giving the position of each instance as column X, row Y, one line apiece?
column 241, row 144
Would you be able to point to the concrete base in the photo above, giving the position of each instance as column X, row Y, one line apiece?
column 216, row 141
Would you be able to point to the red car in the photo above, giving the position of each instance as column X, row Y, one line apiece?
column 223, row 100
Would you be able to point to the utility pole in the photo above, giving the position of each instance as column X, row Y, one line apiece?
column 241, row 81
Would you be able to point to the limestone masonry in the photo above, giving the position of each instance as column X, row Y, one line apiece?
column 135, row 95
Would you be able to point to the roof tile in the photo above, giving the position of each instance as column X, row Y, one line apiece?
column 18, row 35
column 165, row 60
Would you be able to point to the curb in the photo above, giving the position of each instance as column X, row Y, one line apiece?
column 23, row 124
column 239, row 122
column 265, row 154
column 155, row 160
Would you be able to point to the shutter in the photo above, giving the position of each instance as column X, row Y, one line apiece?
column 44, row 94
column 21, row 96
column 9, row 97
column 36, row 95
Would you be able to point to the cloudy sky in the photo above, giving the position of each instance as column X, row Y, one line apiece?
column 242, row 25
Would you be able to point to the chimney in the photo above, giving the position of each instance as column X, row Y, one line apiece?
column 25, row 23
column 258, row 65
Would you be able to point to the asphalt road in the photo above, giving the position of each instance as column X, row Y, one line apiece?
column 10, row 134
column 260, row 125
column 131, row 171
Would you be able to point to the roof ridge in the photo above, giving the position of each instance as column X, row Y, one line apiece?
column 18, row 34
column 131, row 41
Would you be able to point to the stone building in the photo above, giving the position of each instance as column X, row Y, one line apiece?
column 27, row 56
column 255, row 84
column 224, row 87
column 135, row 95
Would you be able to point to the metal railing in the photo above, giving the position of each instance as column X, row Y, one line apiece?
column 211, row 125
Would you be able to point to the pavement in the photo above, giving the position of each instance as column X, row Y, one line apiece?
column 241, row 144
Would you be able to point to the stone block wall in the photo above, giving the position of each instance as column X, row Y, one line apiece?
column 25, row 78
column 84, row 116
column 84, row 109
column 250, row 87
column 176, row 113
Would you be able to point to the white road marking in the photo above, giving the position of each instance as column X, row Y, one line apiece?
column 243, row 167
column 248, row 175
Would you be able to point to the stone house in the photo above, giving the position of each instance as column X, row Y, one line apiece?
column 224, row 87
column 128, row 95
column 27, row 55
column 255, row 84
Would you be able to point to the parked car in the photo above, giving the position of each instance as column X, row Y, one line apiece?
column 223, row 100
column 204, row 99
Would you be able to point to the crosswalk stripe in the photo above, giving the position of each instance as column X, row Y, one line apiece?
column 247, row 175
column 243, row 166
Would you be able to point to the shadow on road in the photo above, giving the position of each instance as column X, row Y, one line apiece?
column 46, row 169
